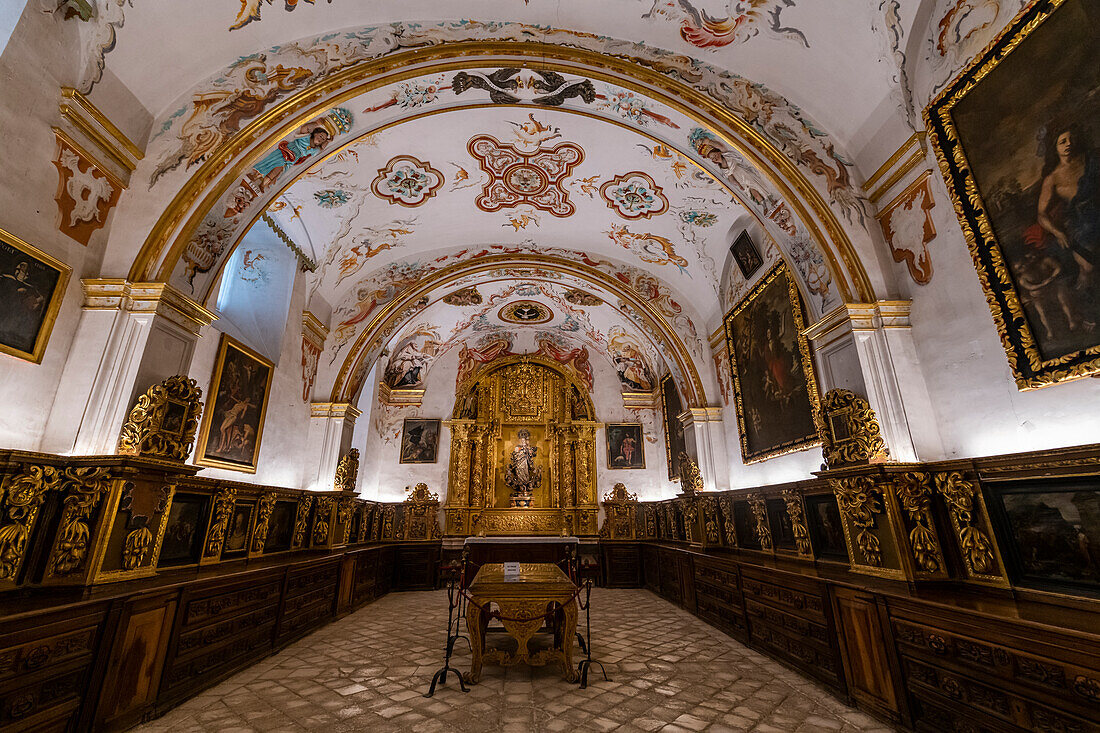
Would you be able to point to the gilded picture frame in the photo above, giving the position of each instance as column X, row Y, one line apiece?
column 420, row 440
column 1038, row 81
column 764, row 333
column 625, row 445
column 238, row 406
column 32, row 286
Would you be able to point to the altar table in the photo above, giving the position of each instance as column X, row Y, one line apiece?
column 542, row 592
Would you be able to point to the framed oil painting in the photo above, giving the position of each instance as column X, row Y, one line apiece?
column 779, row 521
column 234, row 421
column 674, row 430
column 625, row 446
column 1016, row 137
column 236, row 534
column 773, row 378
column 280, row 526
column 826, row 528
column 1049, row 532
column 746, row 254
column 32, row 285
column 183, row 533
column 419, row 440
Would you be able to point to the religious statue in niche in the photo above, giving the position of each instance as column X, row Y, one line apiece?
column 522, row 475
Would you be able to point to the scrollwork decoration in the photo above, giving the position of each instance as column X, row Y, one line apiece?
column 861, row 440
column 977, row 549
column 859, row 503
column 322, row 519
column 84, row 487
column 726, row 503
column 163, row 421
column 914, row 493
column 691, row 478
column 620, row 507
column 301, row 519
column 223, row 508
column 135, row 546
column 264, row 508
column 21, row 497
column 760, row 514
column 347, row 471
column 798, row 521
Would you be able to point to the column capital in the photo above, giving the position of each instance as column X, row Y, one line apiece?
column 860, row 317
column 152, row 298
column 334, row 410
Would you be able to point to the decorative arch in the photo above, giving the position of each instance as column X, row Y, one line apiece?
column 167, row 239
column 365, row 350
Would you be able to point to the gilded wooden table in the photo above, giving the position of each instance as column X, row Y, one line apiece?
column 541, row 593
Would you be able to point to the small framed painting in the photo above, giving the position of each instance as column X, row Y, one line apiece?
column 826, row 527
column 625, row 446
column 32, row 285
column 419, row 441
column 234, row 423
column 236, row 534
column 746, row 254
column 182, row 535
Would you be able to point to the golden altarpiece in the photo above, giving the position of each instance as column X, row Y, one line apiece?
column 531, row 406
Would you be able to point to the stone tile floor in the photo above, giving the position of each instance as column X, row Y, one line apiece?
column 368, row 671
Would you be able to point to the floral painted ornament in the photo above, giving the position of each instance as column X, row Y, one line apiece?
column 406, row 181
column 634, row 195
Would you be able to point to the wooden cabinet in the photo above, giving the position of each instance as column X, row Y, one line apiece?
column 621, row 564
column 651, row 568
column 416, row 566
column 867, row 651
column 308, row 600
column 718, row 597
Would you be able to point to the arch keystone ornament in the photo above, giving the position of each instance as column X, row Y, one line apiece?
column 634, row 195
column 517, row 177
column 407, row 181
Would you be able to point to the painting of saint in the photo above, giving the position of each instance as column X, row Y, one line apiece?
column 772, row 376
column 625, row 446
column 234, row 423
column 183, row 532
column 523, row 475
column 236, row 534
column 31, row 287
column 675, row 444
column 419, row 441
column 1027, row 122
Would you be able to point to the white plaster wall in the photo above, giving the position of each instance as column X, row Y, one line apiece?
column 284, row 458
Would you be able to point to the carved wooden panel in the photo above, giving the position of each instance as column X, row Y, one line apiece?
column 651, row 568
column 718, row 598
column 416, row 566
column 870, row 671
column 45, row 664
column 308, row 600
column 622, row 564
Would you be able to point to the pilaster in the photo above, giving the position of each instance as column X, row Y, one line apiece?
column 130, row 336
column 704, row 425
column 868, row 348
column 330, row 430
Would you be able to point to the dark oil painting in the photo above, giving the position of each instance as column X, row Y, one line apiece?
column 419, row 441
column 236, row 534
column 31, row 287
column 746, row 255
column 1029, row 130
column 1052, row 533
column 183, row 532
column 772, row 379
column 234, row 425
column 826, row 528
column 675, row 442
column 625, row 446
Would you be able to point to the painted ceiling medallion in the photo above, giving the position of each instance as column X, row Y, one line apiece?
column 406, row 181
column 517, row 177
column 576, row 296
column 634, row 195
column 525, row 311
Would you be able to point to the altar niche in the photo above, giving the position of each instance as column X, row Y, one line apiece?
column 523, row 452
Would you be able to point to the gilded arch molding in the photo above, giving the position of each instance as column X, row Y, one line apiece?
column 167, row 239
column 398, row 311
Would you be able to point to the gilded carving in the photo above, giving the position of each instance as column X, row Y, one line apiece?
column 914, row 493
column 135, row 546
column 760, row 514
column 691, row 478
column 344, row 510
column 650, row 522
column 163, row 421
column 347, row 471
column 387, row 522
column 620, row 507
column 223, row 508
column 518, row 523
column 301, row 519
column 21, row 496
column 858, row 502
column 84, row 488
column 421, row 514
column 710, row 520
column 849, row 430
column 798, row 521
column 977, row 549
column 726, row 503
column 322, row 519
column 263, row 515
